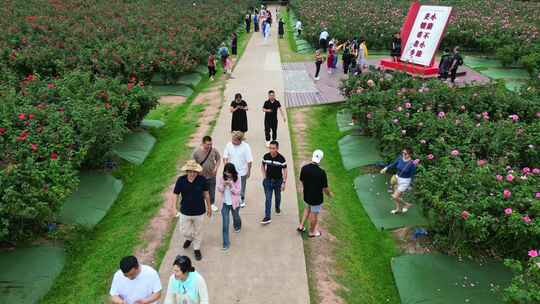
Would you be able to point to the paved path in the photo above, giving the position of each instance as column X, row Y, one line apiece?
column 265, row 264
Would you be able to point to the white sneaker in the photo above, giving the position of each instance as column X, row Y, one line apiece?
column 394, row 211
column 404, row 210
column 214, row 208
column 242, row 204
column 317, row 78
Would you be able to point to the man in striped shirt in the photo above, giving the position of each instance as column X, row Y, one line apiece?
column 274, row 170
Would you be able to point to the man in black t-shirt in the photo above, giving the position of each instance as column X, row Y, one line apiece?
column 193, row 189
column 270, row 109
column 314, row 182
column 274, row 171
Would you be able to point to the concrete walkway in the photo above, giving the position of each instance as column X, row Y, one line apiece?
column 265, row 264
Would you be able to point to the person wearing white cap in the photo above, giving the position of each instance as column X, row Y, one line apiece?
column 314, row 184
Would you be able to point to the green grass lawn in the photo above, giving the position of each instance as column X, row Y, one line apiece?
column 363, row 253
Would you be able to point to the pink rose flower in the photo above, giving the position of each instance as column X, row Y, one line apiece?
column 538, row 114
column 441, row 114
column 526, row 170
column 430, row 156
column 499, row 177
column 507, row 194
column 408, row 105
column 537, row 195
column 22, row 116
column 514, row 117
column 536, row 171
column 369, row 115
column 416, row 161
column 465, row 215
column 455, row 152
column 508, row 211
column 370, row 83
column 509, row 177
column 481, row 162
column 533, row 253
column 396, row 120
column 526, row 219
column 50, row 85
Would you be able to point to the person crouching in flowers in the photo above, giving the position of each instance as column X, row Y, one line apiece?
column 186, row 286
column 406, row 169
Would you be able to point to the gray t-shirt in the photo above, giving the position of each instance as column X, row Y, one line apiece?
column 210, row 164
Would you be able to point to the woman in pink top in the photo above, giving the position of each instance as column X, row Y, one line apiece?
column 229, row 186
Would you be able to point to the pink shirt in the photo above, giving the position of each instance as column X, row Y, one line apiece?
column 235, row 190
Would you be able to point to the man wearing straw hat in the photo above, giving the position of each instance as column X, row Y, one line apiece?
column 193, row 189
column 238, row 152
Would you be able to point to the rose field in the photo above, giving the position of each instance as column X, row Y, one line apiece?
column 507, row 29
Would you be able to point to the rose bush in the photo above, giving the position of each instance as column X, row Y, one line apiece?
column 50, row 128
column 493, row 27
column 114, row 38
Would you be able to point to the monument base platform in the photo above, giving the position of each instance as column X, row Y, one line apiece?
column 413, row 69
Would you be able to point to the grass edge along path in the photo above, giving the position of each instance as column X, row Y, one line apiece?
column 363, row 253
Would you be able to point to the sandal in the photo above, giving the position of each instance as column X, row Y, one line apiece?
column 315, row 235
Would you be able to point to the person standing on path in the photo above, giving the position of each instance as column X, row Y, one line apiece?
column 186, row 286
column 193, row 189
column 247, row 20
column 234, row 44
column 281, row 28
column 362, row 56
column 323, row 40
column 406, row 169
column 318, row 62
column 457, row 61
column 256, row 21
column 212, row 65
column 331, row 58
column 314, row 184
column 239, row 110
column 270, row 109
column 274, row 172
column 238, row 152
column 230, row 187
column 223, row 54
column 209, row 159
column 395, row 49
column 298, row 27
column 135, row 283
column 444, row 65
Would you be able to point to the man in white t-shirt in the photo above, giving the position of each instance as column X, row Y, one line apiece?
column 323, row 40
column 135, row 283
column 298, row 27
column 238, row 153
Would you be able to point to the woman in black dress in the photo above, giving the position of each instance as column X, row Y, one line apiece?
column 395, row 51
column 234, row 44
column 239, row 116
column 281, row 29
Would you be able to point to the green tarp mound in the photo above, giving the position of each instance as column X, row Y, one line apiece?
column 305, row 51
column 481, row 62
column 514, row 85
column 441, row 279
column 300, row 42
column 202, row 69
column 344, row 120
column 304, row 48
column 372, row 191
column 171, row 90
column 135, row 147
column 90, row 203
column 357, row 151
column 152, row 124
column 191, row 80
column 505, row 73
column 28, row 273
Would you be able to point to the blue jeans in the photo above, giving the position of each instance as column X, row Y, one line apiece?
column 237, row 222
column 271, row 186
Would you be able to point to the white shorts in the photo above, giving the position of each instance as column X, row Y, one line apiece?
column 403, row 184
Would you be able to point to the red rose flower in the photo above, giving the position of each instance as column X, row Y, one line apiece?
column 130, row 86
column 54, row 156
column 465, row 215
column 33, row 146
column 51, row 85
column 22, row 116
column 30, row 116
column 23, row 135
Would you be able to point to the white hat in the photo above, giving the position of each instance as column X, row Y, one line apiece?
column 317, row 156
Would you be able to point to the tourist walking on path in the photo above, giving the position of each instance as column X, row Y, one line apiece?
column 223, row 54
column 230, row 187
column 195, row 202
column 395, row 50
column 186, row 286
column 238, row 152
column 281, row 28
column 256, row 21
column 274, row 172
column 362, row 56
column 135, row 283
column 444, row 65
column 212, row 65
column 346, row 56
column 314, row 184
column 239, row 110
column 209, row 159
column 457, row 61
column 323, row 40
column 406, row 169
column 267, row 29
column 270, row 109
column 247, row 20
column 331, row 58
column 298, row 27
column 228, row 67
column 318, row 62
column 234, row 44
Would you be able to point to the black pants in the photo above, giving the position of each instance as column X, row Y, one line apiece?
column 453, row 74
column 346, row 64
column 234, row 49
column 317, row 68
column 211, row 71
column 299, row 32
column 270, row 126
column 256, row 27
column 323, row 44
column 248, row 26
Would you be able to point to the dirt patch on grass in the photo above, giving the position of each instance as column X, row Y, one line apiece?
column 172, row 100
column 320, row 251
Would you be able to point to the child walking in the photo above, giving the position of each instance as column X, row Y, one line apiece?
column 229, row 186
column 212, row 65
column 228, row 67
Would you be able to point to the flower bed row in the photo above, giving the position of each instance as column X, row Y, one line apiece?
column 477, row 153
column 114, row 38
column 508, row 27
